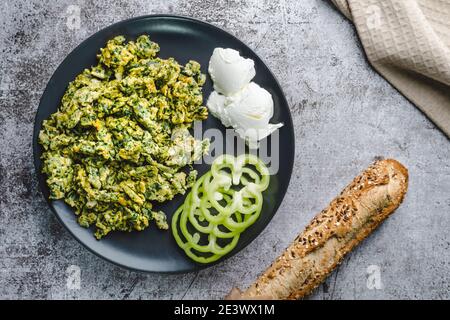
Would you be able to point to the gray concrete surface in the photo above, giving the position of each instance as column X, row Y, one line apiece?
column 345, row 115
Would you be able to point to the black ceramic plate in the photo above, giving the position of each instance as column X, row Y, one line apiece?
column 153, row 250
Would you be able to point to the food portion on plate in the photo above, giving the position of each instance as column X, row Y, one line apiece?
column 120, row 142
column 222, row 204
column 236, row 101
column 116, row 145
column 228, row 199
column 120, row 139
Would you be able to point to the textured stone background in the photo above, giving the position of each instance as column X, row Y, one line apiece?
column 344, row 113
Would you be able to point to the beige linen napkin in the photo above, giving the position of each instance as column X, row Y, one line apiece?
column 408, row 43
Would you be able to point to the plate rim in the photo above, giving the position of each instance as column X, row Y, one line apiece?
column 35, row 144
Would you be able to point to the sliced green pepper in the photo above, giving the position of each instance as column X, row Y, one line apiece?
column 222, row 204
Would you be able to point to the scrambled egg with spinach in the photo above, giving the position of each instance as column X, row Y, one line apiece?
column 120, row 138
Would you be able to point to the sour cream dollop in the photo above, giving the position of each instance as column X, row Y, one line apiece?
column 229, row 71
column 237, row 102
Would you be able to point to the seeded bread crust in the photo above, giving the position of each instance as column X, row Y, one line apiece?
column 350, row 217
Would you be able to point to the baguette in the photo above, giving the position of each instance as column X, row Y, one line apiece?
column 350, row 217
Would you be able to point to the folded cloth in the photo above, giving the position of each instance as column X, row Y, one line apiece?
column 408, row 43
